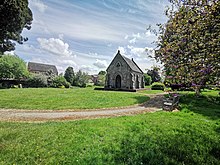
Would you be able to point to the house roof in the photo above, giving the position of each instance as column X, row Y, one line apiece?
column 32, row 66
column 132, row 64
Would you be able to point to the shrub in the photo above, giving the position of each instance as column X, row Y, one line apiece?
column 60, row 81
column 147, row 79
column 37, row 80
column 157, row 86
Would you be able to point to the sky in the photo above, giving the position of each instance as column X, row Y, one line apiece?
column 86, row 34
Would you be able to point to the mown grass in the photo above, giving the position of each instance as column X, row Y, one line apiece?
column 61, row 99
column 149, row 91
column 187, row 137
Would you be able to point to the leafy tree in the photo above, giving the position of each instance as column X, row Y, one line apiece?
column 81, row 79
column 101, row 78
column 70, row 75
column 15, row 16
column 59, row 81
column 102, row 72
column 37, row 81
column 154, row 74
column 147, row 79
column 189, row 42
column 12, row 67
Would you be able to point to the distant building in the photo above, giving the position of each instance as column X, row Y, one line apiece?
column 124, row 73
column 42, row 68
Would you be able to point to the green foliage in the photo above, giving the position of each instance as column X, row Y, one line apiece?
column 12, row 67
column 102, row 72
column 101, row 80
column 15, row 16
column 37, row 81
column 154, row 74
column 189, row 42
column 187, row 137
column 81, row 79
column 69, row 75
column 60, row 81
column 157, row 86
column 147, row 79
column 73, row 98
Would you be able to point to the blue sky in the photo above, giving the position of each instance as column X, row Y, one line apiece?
column 86, row 34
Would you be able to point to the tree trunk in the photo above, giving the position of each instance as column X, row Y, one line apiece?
column 198, row 90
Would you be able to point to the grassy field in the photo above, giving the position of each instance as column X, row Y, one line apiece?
column 187, row 137
column 60, row 99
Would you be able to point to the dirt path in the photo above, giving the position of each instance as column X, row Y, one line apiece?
column 154, row 104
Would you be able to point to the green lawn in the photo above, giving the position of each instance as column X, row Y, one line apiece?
column 151, row 91
column 187, row 137
column 60, row 99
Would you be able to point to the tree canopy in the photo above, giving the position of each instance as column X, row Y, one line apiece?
column 154, row 74
column 15, row 16
column 12, row 67
column 69, row 75
column 81, row 78
column 189, row 43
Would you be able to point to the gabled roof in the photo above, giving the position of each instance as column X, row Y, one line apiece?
column 32, row 66
column 131, row 63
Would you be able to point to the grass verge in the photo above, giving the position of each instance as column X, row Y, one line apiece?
column 187, row 137
column 61, row 99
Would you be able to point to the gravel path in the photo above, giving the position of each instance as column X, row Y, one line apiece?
column 154, row 104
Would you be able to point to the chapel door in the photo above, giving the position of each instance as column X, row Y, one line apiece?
column 118, row 81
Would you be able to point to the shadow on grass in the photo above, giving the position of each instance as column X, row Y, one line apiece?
column 141, row 99
column 155, row 102
column 205, row 105
column 139, row 146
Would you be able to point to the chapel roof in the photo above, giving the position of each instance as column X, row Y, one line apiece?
column 132, row 64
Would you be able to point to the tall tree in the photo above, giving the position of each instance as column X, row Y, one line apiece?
column 69, row 75
column 154, row 74
column 189, row 45
column 12, row 67
column 15, row 16
column 81, row 78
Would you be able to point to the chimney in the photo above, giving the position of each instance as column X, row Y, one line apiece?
column 118, row 51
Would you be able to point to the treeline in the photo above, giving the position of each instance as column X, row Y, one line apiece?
column 13, row 72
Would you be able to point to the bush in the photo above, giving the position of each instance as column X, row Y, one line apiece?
column 157, row 86
column 60, row 81
column 147, row 79
column 37, row 80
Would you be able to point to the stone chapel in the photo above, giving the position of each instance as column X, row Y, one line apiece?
column 123, row 73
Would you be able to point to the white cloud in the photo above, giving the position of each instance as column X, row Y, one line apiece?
column 136, row 35
column 87, row 68
column 55, row 46
column 148, row 33
column 141, row 52
column 10, row 52
column 122, row 50
column 132, row 41
column 39, row 5
column 100, row 63
column 61, row 36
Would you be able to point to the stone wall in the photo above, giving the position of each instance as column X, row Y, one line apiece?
column 129, row 79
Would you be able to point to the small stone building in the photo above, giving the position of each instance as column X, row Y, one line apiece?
column 42, row 68
column 123, row 73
